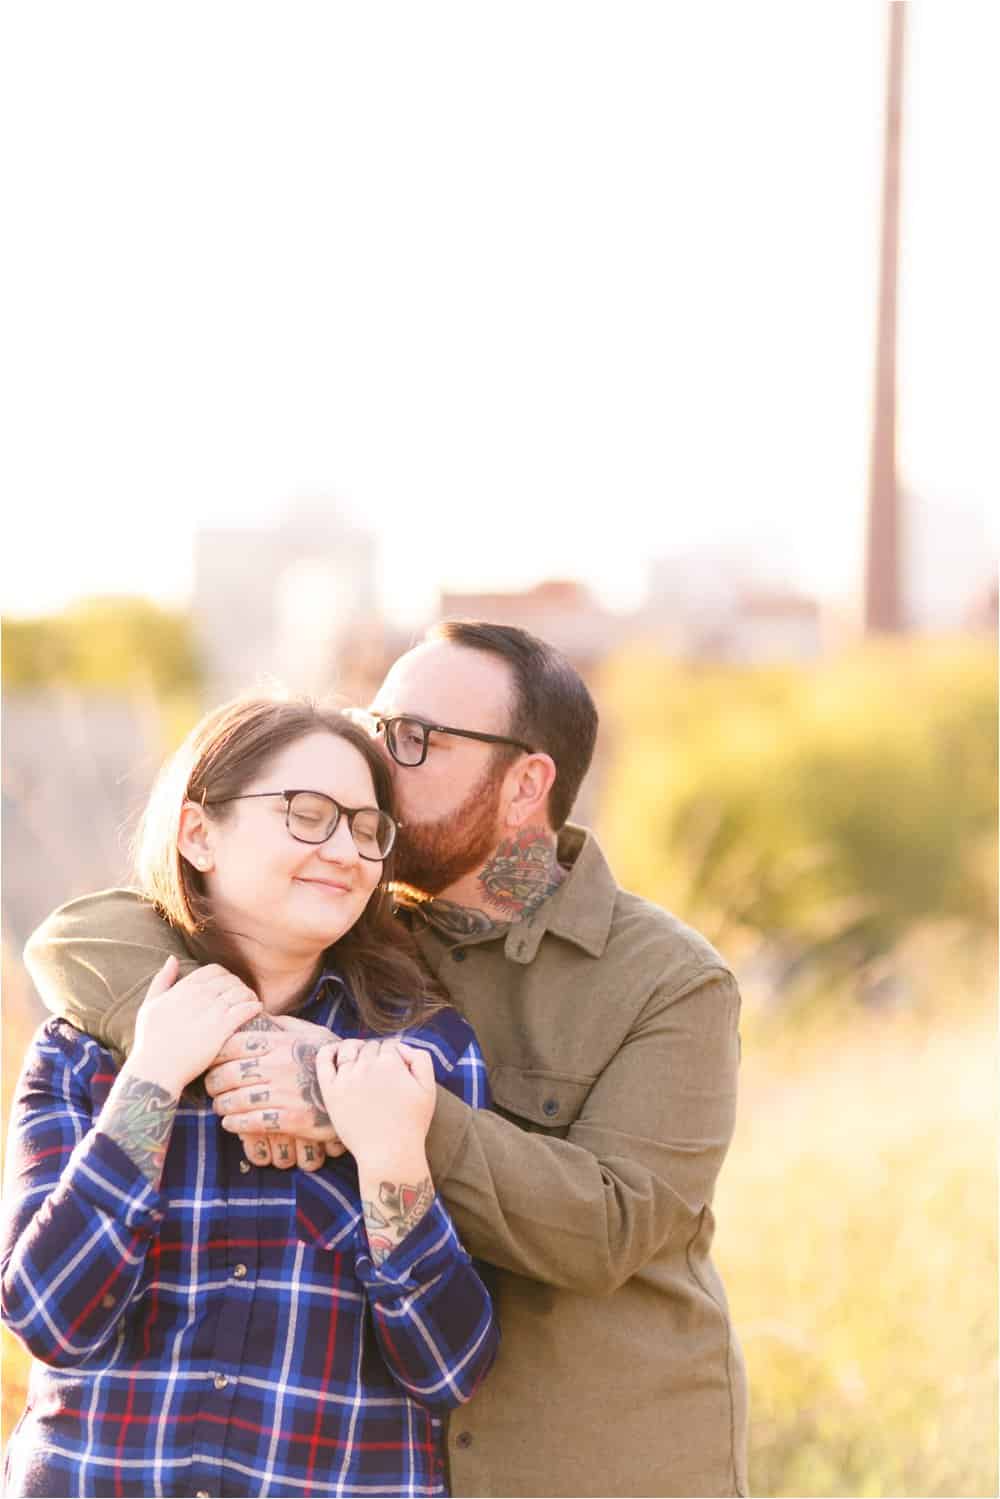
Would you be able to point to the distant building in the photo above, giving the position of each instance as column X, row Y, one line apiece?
column 704, row 607
column 277, row 605
column 562, row 612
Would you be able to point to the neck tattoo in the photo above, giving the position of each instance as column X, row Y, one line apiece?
column 522, row 872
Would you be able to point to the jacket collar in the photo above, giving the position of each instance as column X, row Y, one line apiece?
column 580, row 911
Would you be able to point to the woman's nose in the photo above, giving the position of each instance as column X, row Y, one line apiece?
column 340, row 847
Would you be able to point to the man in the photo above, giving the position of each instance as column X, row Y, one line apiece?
column 610, row 1031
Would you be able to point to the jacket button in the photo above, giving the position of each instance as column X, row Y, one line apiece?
column 550, row 1107
column 464, row 1439
column 458, row 954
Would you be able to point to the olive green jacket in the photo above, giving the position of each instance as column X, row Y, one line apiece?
column 610, row 1031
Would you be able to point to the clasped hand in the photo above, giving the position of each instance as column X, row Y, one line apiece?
column 296, row 1095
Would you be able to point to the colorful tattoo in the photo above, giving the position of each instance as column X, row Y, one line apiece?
column 308, row 1082
column 140, row 1121
column 522, row 873
column 400, row 1208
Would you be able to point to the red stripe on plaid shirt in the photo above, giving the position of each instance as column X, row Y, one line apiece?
column 288, row 1437
column 331, row 1338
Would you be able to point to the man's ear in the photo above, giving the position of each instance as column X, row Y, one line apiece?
column 194, row 837
column 529, row 782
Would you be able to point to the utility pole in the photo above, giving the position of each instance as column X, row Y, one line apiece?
column 883, row 592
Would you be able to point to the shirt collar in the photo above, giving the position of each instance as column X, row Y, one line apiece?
column 580, row 911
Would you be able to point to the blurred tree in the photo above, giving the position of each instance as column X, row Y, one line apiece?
column 104, row 643
column 821, row 812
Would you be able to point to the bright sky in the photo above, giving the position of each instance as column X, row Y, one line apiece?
column 530, row 289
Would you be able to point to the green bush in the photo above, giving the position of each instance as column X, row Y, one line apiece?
column 103, row 644
column 827, row 810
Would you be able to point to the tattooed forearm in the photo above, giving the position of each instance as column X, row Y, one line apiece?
column 400, row 1208
column 139, row 1117
column 308, row 1083
column 522, row 872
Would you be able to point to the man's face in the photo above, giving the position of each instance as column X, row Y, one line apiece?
column 450, row 805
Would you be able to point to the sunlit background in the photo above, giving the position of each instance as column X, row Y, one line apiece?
column 320, row 323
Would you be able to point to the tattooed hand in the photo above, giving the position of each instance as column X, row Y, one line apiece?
column 264, row 1086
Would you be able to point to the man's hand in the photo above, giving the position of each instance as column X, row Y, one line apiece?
column 266, row 1073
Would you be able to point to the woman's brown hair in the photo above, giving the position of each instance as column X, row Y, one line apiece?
column 222, row 754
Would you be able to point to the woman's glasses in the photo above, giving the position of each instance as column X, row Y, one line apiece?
column 313, row 817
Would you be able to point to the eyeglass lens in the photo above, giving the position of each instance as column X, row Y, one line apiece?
column 313, row 818
column 406, row 739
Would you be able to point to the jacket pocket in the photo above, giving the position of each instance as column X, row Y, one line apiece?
column 538, row 1100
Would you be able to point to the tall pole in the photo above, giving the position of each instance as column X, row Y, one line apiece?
column 883, row 593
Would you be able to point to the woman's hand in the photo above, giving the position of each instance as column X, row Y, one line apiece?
column 182, row 1025
column 381, row 1094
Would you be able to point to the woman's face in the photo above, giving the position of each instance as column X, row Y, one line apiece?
column 269, row 889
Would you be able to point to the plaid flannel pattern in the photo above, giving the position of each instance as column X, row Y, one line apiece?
column 228, row 1334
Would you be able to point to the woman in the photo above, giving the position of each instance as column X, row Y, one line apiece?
column 201, row 1325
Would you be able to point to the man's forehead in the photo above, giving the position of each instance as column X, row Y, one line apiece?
column 449, row 684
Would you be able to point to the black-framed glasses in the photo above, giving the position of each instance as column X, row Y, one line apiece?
column 313, row 817
column 406, row 737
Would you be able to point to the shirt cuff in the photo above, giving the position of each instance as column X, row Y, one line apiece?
column 426, row 1253
column 101, row 1173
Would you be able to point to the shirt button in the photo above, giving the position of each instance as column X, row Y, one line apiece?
column 550, row 1107
column 458, row 954
column 464, row 1439
column 220, row 1381
column 107, row 1302
column 244, row 1167
column 239, row 1271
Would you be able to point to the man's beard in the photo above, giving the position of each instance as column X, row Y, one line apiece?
column 431, row 856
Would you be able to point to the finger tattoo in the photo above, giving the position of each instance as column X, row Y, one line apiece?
column 261, row 1096
column 270, row 1118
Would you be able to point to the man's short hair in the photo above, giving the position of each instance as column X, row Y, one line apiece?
column 552, row 709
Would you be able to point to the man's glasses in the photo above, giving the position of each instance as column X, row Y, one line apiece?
column 406, row 737
column 313, row 817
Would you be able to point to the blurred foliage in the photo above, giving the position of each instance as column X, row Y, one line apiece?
column 858, row 1244
column 822, row 811
column 104, row 644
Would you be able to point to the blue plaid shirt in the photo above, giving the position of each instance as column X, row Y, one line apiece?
column 228, row 1334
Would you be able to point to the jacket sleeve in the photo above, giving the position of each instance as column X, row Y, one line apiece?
column 93, row 960
column 78, row 1214
column 637, row 1167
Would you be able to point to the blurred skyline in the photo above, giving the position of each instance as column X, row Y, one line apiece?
column 546, row 292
